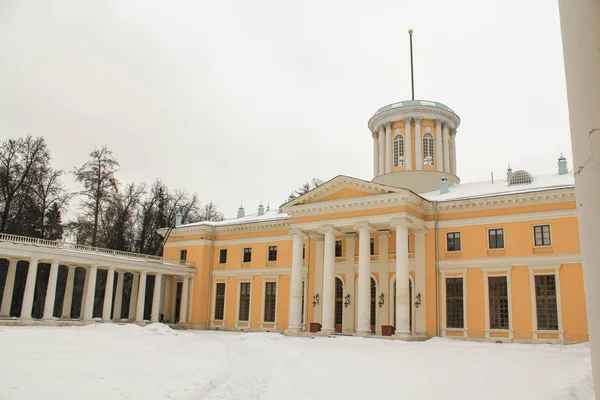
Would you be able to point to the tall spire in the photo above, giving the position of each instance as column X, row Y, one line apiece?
column 412, row 74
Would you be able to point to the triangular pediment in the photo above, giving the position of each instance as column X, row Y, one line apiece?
column 340, row 188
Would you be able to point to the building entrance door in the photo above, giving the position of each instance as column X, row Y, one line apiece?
column 339, row 304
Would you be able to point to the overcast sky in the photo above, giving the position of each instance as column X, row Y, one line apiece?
column 242, row 101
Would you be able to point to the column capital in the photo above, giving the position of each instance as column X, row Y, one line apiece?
column 408, row 120
column 438, row 122
column 452, row 131
column 328, row 229
column 383, row 233
column 350, row 235
column 401, row 221
column 378, row 128
column 419, row 230
column 388, row 125
column 418, row 119
column 363, row 225
column 296, row 231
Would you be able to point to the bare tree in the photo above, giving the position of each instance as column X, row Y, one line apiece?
column 210, row 213
column 100, row 185
column 49, row 194
column 305, row 188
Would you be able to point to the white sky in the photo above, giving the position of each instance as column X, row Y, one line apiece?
column 242, row 101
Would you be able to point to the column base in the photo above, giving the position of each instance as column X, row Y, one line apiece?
column 406, row 335
column 326, row 332
column 363, row 333
column 292, row 331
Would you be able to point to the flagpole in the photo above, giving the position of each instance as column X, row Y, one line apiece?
column 412, row 75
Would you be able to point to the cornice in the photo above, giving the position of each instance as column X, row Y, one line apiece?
column 399, row 113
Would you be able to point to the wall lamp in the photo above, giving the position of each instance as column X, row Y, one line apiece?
column 381, row 302
column 316, row 300
column 347, row 301
column 418, row 300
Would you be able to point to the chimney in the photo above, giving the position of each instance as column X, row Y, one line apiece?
column 261, row 209
column 241, row 212
column 444, row 186
column 178, row 218
column 562, row 165
column 508, row 173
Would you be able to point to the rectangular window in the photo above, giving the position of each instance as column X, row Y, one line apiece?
column 244, row 312
column 453, row 241
column 270, row 301
column 372, row 246
column 222, row 256
column 302, row 302
column 498, row 294
column 546, row 305
column 542, row 235
column 304, row 251
column 496, row 238
column 182, row 256
column 272, row 253
column 247, row 254
column 454, row 303
column 219, row 301
column 338, row 248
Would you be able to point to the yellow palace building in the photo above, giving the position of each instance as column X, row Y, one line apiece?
column 496, row 261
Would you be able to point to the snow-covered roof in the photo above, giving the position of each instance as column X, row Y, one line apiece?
column 273, row 215
column 500, row 187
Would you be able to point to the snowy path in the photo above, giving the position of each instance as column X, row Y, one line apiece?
column 128, row 362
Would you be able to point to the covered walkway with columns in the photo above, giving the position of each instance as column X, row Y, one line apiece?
column 359, row 268
column 64, row 283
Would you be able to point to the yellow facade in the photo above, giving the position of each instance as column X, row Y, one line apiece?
column 506, row 286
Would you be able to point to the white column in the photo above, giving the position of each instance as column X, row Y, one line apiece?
column 407, row 144
column 363, row 323
column 68, row 299
column 141, row 298
column 402, row 279
column 453, row 151
column 381, row 157
column 446, row 151
column 184, row 301
column 90, row 295
column 319, row 255
column 438, row 145
column 421, row 312
column 108, row 295
column 375, row 160
column 348, row 325
column 418, row 144
column 388, row 147
column 135, row 284
column 51, row 291
column 156, row 297
column 328, row 299
column 9, row 288
column 295, row 313
column 27, row 307
column 580, row 24
column 383, row 268
column 119, row 296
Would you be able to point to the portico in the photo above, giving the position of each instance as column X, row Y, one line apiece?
column 94, row 286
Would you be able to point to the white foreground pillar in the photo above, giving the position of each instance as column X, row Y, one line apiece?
column 27, row 307
column 119, row 296
column 141, row 298
column 388, row 147
column 51, row 291
column 9, row 287
column 90, row 293
column 418, row 145
column 402, row 279
column 328, row 281
column 135, row 283
column 68, row 299
column 453, row 151
column 363, row 304
column 439, row 160
column 446, row 151
column 184, row 301
column 408, row 144
column 381, row 157
column 295, row 319
column 108, row 295
column 580, row 25
column 156, row 297
column 375, row 161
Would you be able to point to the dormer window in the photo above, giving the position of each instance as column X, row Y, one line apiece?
column 399, row 150
column 520, row 178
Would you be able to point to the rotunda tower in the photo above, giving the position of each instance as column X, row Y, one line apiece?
column 413, row 145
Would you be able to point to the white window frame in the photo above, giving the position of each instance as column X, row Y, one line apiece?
column 266, row 279
column 276, row 253
column 428, row 135
column 237, row 310
column 399, row 149
column 446, row 241
column 218, row 323
column 448, row 275
column 487, row 232
column 540, row 270
column 220, row 263
column 495, row 273
column 247, row 262
column 533, row 236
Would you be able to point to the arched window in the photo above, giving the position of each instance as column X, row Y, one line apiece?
column 520, row 178
column 339, row 304
column 399, row 151
column 428, row 149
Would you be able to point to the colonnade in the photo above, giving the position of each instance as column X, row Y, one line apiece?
column 383, row 148
column 363, row 301
column 110, row 311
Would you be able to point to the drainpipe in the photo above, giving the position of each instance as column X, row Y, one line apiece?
column 212, row 255
column 437, row 271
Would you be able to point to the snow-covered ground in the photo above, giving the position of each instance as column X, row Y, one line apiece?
column 155, row 362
